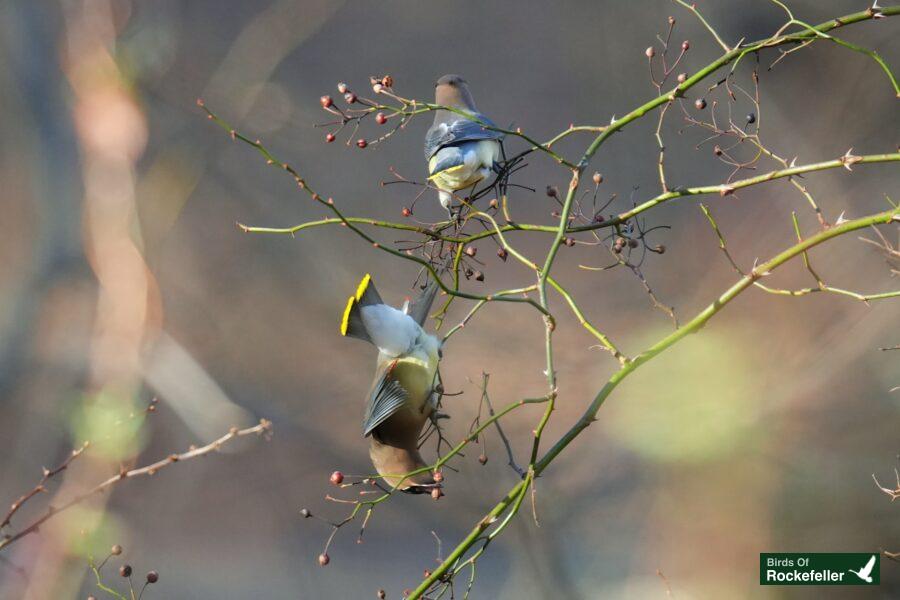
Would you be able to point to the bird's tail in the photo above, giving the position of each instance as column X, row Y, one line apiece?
column 366, row 295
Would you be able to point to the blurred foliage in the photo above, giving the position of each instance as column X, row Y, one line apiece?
column 113, row 423
column 694, row 405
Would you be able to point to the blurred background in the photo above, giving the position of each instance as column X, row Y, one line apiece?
column 123, row 277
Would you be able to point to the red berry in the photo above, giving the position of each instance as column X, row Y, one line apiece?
column 326, row 101
column 323, row 559
column 361, row 143
column 387, row 81
column 337, row 478
column 685, row 45
column 125, row 570
column 406, row 212
column 329, row 137
column 380, row 119
column 152, row 577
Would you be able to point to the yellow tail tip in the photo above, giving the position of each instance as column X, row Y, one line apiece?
column 363, row 284
column 345, row 320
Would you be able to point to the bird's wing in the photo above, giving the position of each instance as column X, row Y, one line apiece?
column 867, row 570
column 418, row 308
column 386, row 398
column 447, row 133
column 445, row 159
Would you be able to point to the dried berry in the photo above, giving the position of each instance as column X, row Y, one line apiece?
column 377, row 88
column 436, row 493
column 125, row 570
column 438, row 477
column 471, row 250
column 650, row 52
column 598, row 218
column 553, row 191
column 751, row 118
column 304, row 512
column 152, row 577
column 682, row 77
column 324, row 559
column 116, row 550
column 381, row 595
column 387, row 81
column 483, row 459
column 502, row 253
column 350, row 97
column 661, row 249
column 717, row 151
column 406, row 212
column 337, row 478
column 598, row 178
column 342, row 87
column 479, row 276
column 632, row 243
column 326, row 101
column 493, row 203
column 685, row 46
column 700, row 103
column 569, row 242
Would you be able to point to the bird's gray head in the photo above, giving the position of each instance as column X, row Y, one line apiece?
column 453, row 90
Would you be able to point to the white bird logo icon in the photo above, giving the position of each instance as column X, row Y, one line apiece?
column 866, row 572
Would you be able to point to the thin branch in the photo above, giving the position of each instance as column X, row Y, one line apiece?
column 263, row 428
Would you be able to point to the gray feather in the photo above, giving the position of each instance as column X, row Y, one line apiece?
column 458, row 129
column 447, row 158
column 420, row 307
column 388, row 396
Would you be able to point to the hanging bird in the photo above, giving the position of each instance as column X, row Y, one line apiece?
column 402, row 397
column 460, row 152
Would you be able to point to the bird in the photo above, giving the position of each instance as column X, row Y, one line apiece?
column 460, row 151
column 866, row 572
column 402, row 397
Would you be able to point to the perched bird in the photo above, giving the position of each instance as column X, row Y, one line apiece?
column 402, row 397
column 460, row 152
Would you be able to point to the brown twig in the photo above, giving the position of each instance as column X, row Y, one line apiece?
column 264, row 428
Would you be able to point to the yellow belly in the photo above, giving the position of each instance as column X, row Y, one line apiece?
column 457, row 178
